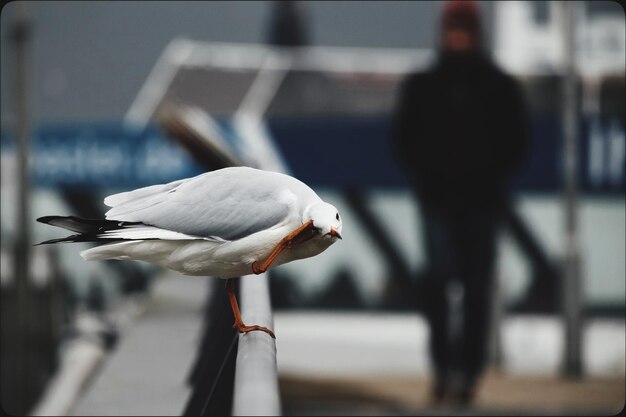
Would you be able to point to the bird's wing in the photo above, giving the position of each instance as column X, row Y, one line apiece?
column 227, row 204
column 140, row 195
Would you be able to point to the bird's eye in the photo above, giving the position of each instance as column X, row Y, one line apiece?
column 337, row 216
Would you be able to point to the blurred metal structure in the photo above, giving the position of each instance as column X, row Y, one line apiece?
column 198, row 134
column 36, row 303
column 33, row 293
column 236, row 67
column 571, row 270
column 21, row 38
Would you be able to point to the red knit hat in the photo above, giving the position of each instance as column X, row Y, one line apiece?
column 462, row 14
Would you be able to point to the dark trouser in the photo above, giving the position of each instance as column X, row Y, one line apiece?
column 460, row 247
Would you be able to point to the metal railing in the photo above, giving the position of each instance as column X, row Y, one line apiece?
column 256, row 377
column 235, row 374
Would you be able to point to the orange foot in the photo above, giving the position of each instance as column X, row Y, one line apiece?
column 242, row 328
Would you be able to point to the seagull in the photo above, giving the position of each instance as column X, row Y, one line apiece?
column 224, row 223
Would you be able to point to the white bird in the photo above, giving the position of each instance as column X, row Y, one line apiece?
column 224, row 223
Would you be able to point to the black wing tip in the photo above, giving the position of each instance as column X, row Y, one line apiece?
column 68, row 239
column 89, row 230
column 49, row 242
column 85, row 238
column 47, row 219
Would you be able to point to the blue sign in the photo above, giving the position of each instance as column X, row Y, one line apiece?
column 108, row 155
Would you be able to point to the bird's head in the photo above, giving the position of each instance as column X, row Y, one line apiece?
column 326, row 220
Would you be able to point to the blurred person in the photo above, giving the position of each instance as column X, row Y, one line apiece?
column 460, row 132
column 288, row 25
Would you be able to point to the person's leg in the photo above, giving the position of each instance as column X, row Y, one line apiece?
column 478, row 233
column 440, row 258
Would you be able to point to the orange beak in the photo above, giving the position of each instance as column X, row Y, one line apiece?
column 334, row 233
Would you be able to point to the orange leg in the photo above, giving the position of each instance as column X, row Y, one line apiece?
column 301, row 234
column 242, row 328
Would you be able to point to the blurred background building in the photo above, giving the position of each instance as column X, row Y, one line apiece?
column 103, row 82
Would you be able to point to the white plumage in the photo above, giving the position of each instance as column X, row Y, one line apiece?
column 218, row 223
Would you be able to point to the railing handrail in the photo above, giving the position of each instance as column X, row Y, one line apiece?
column 256, row 376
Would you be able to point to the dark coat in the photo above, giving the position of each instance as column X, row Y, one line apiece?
column 460, row 130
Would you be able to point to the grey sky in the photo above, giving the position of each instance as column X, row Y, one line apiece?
column 90, row 58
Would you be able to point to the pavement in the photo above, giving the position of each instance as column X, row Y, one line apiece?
column 362, row 344
column 146, row 373
column 499, row 394
column 377, row 364
column 353, row 363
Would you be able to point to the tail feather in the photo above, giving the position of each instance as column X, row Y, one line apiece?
column 100, row 230
column 89, row 230
column 72, row 238
column 112, row 251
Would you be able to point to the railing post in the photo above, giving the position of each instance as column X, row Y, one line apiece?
column 571, row 271
column 21, row 40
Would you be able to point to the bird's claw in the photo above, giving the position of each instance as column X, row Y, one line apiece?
column 241, row 328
